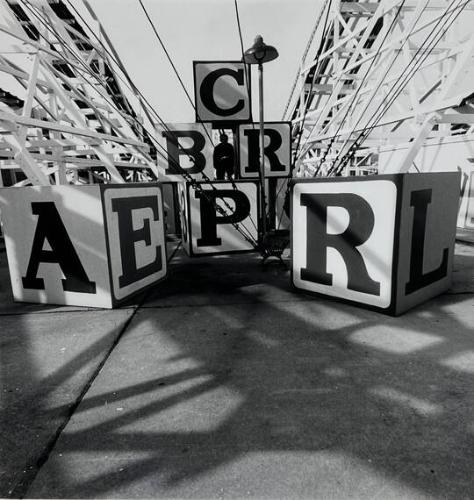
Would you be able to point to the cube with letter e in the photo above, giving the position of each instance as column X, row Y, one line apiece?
column 93, row 245
column 385, row 242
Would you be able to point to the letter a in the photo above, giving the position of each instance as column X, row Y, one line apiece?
column 50, row 227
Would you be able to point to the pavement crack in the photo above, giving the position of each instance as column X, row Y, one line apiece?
column 32, row 468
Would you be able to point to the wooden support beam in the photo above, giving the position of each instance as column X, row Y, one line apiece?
column 31, row 122
column 327, row 88
column 457, row 118
column 26, row 162
column 23, row 75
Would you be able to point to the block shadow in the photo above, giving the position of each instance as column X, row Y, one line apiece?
column 394, row 395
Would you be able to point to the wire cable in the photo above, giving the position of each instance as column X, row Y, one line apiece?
column 305, row 53
column 321, row 48
column 405, row 75
column 401, row 82
column 187, row 176
column 357, row 91
column 182, row 83
column 173, row 66
column 246, row 72
column 374, row 92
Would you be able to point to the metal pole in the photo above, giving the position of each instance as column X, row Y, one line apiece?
column 262, row 153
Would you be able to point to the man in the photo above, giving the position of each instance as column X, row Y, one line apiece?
column 224, row 159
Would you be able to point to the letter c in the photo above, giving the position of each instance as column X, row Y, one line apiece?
column 207, row 91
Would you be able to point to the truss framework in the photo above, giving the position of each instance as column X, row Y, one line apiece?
column 386, row 73
column 69, row 118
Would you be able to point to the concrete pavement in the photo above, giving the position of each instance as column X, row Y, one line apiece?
column 226, row 383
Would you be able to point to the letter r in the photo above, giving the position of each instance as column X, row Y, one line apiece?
column 361, row 224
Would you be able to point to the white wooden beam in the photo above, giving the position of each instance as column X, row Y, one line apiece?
column 32, row 122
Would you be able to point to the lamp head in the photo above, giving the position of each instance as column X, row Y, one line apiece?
column 260, row 52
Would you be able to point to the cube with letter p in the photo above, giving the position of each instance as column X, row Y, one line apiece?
column 83, row 245
column 385, row 242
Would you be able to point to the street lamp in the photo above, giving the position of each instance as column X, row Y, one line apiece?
column 261, row 53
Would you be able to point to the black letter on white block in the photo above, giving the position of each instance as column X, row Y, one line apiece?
column 129, row 236
column 361, row 224
column 207, row 91
column 209, row 217
column 269, row 151
column 419, row 201
column 50, row 227
column 174, row 150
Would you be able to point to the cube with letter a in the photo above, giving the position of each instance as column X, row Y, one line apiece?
column 222, row 217
column 93, row 245
column 384, row 242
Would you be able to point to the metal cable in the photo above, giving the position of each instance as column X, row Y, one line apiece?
column 377, row 116
column 187, row 176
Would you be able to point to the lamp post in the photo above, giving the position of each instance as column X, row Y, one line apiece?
column 261, row 53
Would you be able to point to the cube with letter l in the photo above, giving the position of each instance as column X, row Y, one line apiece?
column 93, row 245
column 385, row 242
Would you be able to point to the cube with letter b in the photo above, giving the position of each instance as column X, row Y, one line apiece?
column 385, row 242
column 93, row 245
column 188, row 149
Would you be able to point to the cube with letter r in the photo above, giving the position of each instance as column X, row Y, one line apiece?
column 93, row 245
column 222, row 91
column 385, row 242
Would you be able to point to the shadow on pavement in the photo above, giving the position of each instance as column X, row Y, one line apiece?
column 225, row 362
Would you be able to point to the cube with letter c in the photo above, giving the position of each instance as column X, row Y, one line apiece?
column 222, row 91
column 385, row 242
column 94, row 245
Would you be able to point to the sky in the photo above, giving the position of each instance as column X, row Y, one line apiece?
column 206, row 30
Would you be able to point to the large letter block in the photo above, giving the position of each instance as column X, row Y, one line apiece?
column 385, row 242
column 276, row 147
column 188, row 149
column 219, row 218
column 221, row 91
column 93, row 245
